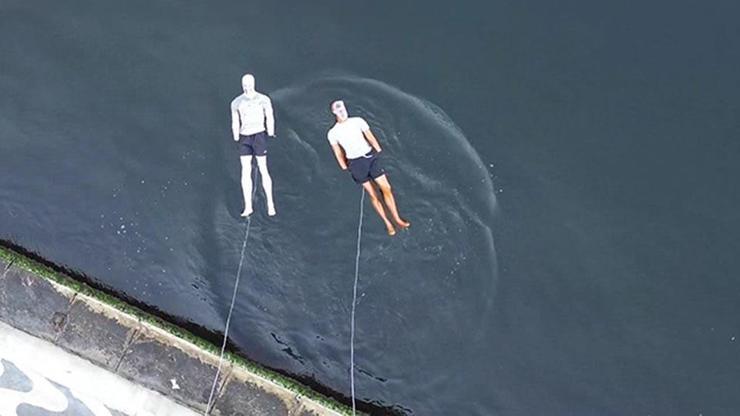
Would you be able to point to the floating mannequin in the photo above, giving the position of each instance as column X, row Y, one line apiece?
column 357, row 149
column 252, row 121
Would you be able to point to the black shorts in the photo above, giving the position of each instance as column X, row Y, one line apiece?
column 253, row 144
column 365, row 168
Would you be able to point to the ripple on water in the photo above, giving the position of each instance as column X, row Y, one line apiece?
column 435, row 280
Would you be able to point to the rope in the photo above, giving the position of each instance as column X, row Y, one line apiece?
column 233, row 301
column 354, row 302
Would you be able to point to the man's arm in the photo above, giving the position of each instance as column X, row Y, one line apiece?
column 339, row 154
column 269, row 117
column 370, row 137
column 235, row 122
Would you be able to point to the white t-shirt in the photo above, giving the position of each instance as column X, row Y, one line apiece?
column 255, row 113
column 348, row 134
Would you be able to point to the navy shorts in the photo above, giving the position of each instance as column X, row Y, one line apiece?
column 253, row 144
column 365, row 168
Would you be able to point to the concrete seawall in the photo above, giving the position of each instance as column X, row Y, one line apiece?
column 141, row 348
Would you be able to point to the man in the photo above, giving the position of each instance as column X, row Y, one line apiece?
column 251, row 115
column 351, row 140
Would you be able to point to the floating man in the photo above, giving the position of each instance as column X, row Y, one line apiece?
column 356, row 148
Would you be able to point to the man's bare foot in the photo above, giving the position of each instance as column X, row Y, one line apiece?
column 271, row 211
column 246, row 213
column 402, row 223
column 391, row 230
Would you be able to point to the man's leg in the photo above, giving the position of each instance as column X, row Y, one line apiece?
column 370, row 189
column 390, row 201
column 247, row 184
column 266, row 184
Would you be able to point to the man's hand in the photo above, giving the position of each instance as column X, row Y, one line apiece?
column 370, row 137
column 339, row 155
column 236, row 138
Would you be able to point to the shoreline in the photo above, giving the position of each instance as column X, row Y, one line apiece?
column 74, row 312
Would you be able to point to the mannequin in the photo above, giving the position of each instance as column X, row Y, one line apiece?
column 252, row 121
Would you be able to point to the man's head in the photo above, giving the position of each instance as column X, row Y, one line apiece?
column 248, row 83
column 339, row 110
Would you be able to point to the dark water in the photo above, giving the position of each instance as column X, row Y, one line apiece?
column 570, row 170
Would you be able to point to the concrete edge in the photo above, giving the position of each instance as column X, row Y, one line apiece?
column 298, row 398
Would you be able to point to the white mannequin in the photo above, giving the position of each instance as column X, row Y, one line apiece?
column 252, row 114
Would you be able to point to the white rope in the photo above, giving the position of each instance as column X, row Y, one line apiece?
column 354, row 301
column 233, row 301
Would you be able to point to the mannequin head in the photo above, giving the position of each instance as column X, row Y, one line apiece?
column 248, row 83
column 339, row 110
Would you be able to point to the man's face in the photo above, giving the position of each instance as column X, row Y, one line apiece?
column 339, row 110
column 248, row 83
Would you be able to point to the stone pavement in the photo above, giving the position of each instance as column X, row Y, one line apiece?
column 38, row 378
